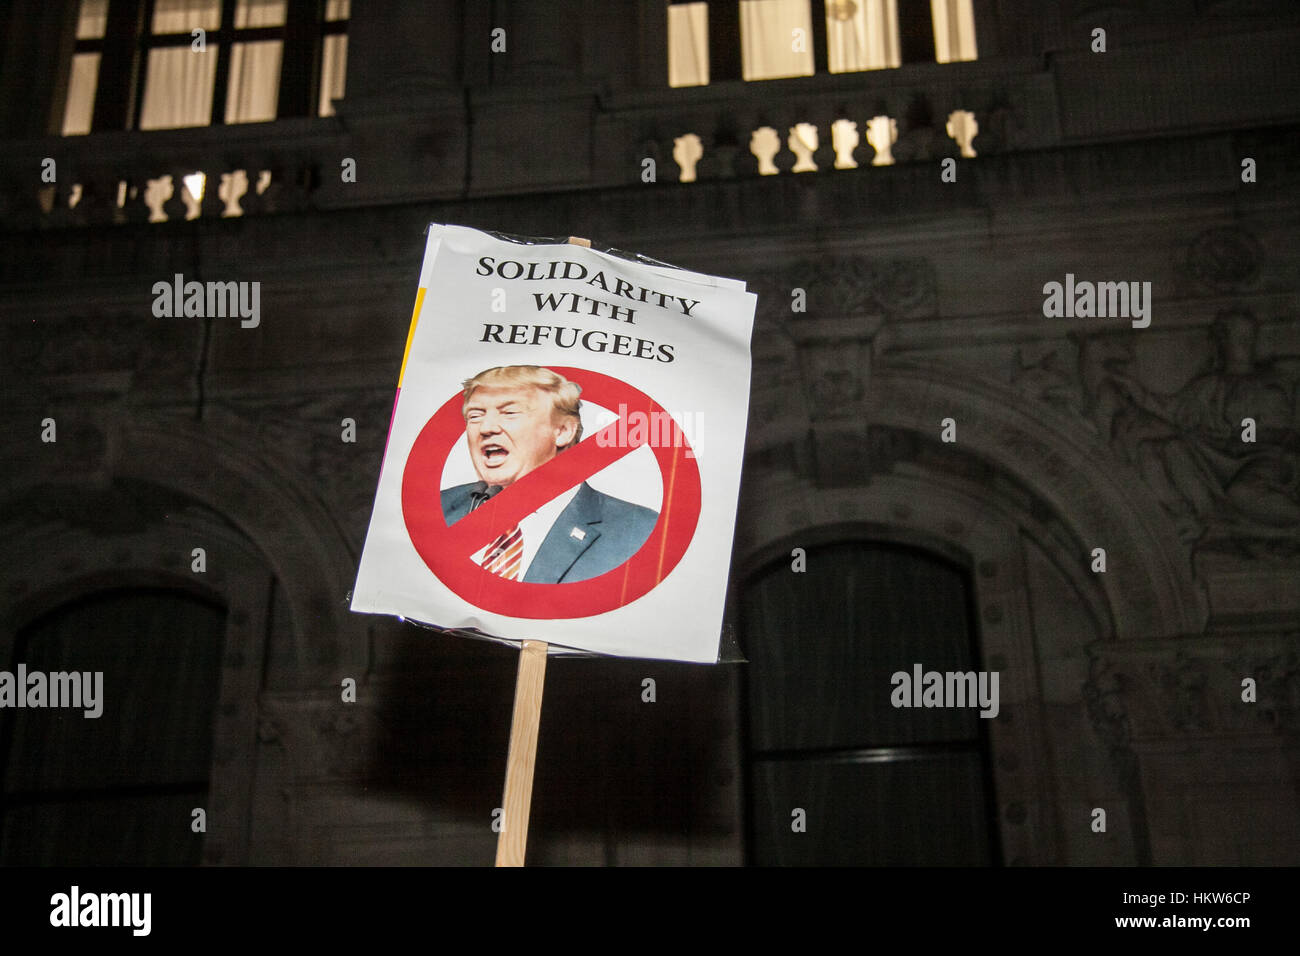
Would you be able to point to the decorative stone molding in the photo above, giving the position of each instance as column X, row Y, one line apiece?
column 1014, row 444
column 1235, row 505
column 848, row 286
column 1224, row 258
column 835, row 358
column 251, row 492
column 1193, row 688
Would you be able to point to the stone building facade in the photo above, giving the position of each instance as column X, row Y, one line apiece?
column 1121, row 690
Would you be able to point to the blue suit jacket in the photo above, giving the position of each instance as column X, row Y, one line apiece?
column 612, row 531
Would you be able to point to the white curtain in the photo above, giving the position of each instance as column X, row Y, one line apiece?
column 333, row 71
column 80, row 107
column 334, row 58
column 688, row 44
column 92, row 18
column 179, row 82
column 183, row 16
column 259, row 13
column 954, row 30
column 254, row 88
column 178, row 87
column 775, row 39
column 178, row 79
column 862, row 35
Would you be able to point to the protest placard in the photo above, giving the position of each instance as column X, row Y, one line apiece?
column 564, row 457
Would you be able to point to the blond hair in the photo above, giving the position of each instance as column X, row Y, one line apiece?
column 564, row 394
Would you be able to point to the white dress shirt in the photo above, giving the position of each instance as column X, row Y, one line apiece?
column 534, row 528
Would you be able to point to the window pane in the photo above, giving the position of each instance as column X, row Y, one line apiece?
column 333, row 71
column 254, row 86
column 688, row 44
column 338, row 9
column 81, row 94
column 178, row 90
column 160, row 656
column 108, row 790
column 182, row 16
column 259, row 13
column 824, row 648
column 862, row 35
column 930, row 810
column 954, row 30
column 92, row 19
column 776, row 39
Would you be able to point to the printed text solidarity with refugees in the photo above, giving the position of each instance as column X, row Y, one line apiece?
column 575, row 303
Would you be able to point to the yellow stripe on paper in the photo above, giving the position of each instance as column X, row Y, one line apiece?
column 410, row 335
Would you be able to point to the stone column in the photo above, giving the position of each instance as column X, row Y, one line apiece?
column 403, row 112
column 543, row 42
column 400, row 49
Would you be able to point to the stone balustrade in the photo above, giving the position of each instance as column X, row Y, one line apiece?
column 849, row 120
column 728, row 130
column 138, row 177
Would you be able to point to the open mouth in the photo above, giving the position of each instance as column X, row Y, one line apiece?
column 493, row 454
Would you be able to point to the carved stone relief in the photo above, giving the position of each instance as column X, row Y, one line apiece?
column 1184, row 689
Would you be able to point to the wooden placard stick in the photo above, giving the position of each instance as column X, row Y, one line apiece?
column 512, row 841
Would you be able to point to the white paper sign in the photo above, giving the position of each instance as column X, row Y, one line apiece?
column 513, row 508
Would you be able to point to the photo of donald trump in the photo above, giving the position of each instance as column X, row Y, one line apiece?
column 517, row 418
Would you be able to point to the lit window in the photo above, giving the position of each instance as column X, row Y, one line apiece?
column 954, row 30
column 238, row 70
column 91, row 19
column 334, row 55
column 179, row 79
column 80, row 106
column 862, row 35
column 776, row 39
column 254, row 82
column 688, row 44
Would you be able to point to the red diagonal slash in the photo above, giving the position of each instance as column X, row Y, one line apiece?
column 504, row 509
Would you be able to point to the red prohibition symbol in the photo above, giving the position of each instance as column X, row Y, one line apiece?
column 447, row 549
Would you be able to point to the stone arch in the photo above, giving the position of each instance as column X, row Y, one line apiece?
column 1054, row 464
column 918, row 512
column 52, row 553
column 1150, row 587
column 255, row 506
column 1016, row 503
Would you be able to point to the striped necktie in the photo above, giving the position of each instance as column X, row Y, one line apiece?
column 506, row 554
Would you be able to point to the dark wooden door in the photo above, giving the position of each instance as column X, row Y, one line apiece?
column 117, row 789
column 877, row 785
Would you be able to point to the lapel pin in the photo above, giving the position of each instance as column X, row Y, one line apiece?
column 577, row 533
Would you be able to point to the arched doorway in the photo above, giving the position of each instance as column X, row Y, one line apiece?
column 118, row 789
column 876, row 784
